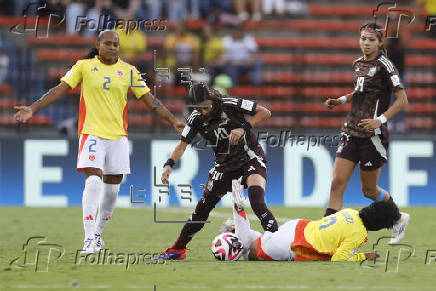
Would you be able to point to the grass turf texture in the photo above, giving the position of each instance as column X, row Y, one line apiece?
column 133, row 231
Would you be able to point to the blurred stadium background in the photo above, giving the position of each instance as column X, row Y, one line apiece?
column 287, row 55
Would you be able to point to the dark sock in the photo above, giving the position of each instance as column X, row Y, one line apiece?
column 181, row 241
column 257, row 201
column 201, row 213
column 329, row 211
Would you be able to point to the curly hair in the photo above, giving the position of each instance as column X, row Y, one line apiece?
column 379, row 215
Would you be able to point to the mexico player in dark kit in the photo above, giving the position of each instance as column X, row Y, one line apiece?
column 221, row 121
column 365, row 135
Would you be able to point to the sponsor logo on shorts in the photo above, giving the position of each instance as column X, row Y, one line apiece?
column 368, row 164
column 91, row 158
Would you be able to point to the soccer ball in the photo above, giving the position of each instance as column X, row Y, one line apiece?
column 227, row 247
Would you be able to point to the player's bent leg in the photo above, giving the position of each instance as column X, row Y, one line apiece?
column 371, row 190
column 111, row 187
column 342, row 171
column 198, row 218
column 93, row 184
column 256, row 194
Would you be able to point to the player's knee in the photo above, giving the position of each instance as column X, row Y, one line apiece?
column 338, row 183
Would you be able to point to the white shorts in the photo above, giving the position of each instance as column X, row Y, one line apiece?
column 277, row 245
column 109, row 155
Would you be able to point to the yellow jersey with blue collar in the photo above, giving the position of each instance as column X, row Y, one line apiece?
column 336, row 237
column 103, row 97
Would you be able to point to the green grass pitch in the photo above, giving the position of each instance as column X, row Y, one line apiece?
column 134, row 231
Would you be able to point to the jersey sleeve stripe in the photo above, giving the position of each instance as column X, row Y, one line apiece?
column 387, row 64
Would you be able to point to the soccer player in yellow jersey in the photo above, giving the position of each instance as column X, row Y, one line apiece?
column 336, row 237
column 103, row 152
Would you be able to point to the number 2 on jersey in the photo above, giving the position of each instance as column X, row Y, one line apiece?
column 108, row 80
column 330, row 221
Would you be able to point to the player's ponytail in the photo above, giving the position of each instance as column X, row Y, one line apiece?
column 92, row 53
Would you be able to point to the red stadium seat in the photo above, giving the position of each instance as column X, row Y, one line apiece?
column 420, row 122
column 280, row 122
column 322, row 122
column 6, row 89
column 7, row 103
column 41, row 120
column 72, row 55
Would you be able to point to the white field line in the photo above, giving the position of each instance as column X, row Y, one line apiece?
column 265, row 287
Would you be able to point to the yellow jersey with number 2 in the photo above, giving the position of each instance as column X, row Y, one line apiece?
column 103, row 97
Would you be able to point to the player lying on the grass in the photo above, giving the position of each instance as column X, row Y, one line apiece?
column 221, row 121
column 336, row 237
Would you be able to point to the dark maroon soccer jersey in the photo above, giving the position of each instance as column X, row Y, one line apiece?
column 230, row 115
column 374, row 83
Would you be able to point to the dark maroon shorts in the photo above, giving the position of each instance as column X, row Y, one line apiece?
column 218, row 184
column 370, row 152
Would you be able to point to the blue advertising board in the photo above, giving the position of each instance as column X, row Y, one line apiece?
column 42, row 172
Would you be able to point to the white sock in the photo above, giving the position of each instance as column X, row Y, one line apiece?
column 107, row 205
column 89, row 203
column 242, row 229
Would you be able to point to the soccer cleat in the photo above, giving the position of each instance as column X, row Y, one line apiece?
column 88, row 246
column 171, row 254
column 227, row 226
column 98, row 242
column 399, row 228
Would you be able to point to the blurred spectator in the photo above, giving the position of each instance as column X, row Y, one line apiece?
column 213, row 10
column 4, row 65
column 269, row 5
column 7, row 7
column 181, row 49
column 241, row 9
column 430, row 7
column 222, row 83
column 126, row 9
column 74, row 9
column 240, row 56
column 212, row 50
column 132, row 44
column 176, row 9
column 102, row 9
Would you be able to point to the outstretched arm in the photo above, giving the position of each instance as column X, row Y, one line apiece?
column 155, row 104
column 333, row 102
column 54, row 94
column 175, row 156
